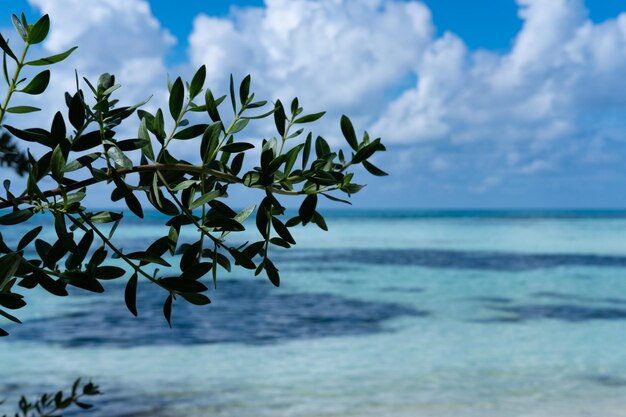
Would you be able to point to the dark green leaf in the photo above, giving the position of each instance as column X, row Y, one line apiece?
column 38, row 84
column 197, row 82
column 167, row 309
column 280, row 242
column 211, row 106
column 11, row 301
column 5, row 47
column 23, row 109
column 310, row 117
column 348, row 132
column 279, row 117
column 130, row 294
column 39, row 30
column 372, row 169
column 307, row 209
column 131, row 144
column 232, row 94
column 182, row 285
column 272, row 272
column 87, row 141
column 282, row 230
column 197, row 271
column 319, row 220
column 28, row 237
column 52, row 59
column 365, row 152
column 307, row 150
column 321, row 147
column 77, row 112
column 196, row 299
column 177, row 97
column 16, row 217
column 244, row 90
column 237, row 147
column 191, row 132
column 109, row 272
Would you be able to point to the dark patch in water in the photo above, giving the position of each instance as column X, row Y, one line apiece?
column 242, row 312
column 565, row 312
column 607, row 380
column 450, row 259
column 492, row 300
column 575, row 297
column 401, row 289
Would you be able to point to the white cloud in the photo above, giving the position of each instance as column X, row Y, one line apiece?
column 337, row 55
column 120, row 37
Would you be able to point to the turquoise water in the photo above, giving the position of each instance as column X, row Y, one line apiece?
column 389, row 314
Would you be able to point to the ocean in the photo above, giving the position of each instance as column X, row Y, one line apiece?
column 389, row 314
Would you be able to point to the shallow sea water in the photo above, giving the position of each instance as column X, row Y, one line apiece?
column 433, row 314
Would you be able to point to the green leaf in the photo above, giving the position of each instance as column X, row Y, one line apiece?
column 348, row 132
column 211, row 106
column 272, row 272
column 119, row 158
column 167, row 309
column 23, row 109
column 307, row 150
column 5, row 47
column 232, row 94
column 279, row 117
column 321, row 147
column 205, row 199
column 310, row 118
column 130, row 294
column 53, row 59
column 237, row 147
column 87, row 141
column 191, row 132
column 196, row 299
column 307, row 209
column 131, row 144
column 282, row 230
column 106, row 217
column 244, row 90
column 109, row 272
column 16, row 217
column 38, row 84
column 19, row 27
column 239, row 126
column 182, row 285
column 39, row 30
column 374, row 170
column 8, row 266
column 57, row 164
column 76, row 112
column 197, row 82
column 177, row 97
column 319, row 220
column 365, row 152
column 28, row 237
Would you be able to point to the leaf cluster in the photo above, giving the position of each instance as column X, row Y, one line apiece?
column 53, row 404
column 82, row 148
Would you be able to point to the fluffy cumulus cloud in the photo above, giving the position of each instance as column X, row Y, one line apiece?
column 116, row 36
column 554, row 100
column 335, row 54
column 552, row 107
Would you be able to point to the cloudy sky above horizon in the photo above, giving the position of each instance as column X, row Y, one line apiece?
column 491, row 103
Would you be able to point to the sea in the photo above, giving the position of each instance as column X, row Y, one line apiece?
column 388, row 314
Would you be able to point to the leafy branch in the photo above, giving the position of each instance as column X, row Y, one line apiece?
column 82, row 148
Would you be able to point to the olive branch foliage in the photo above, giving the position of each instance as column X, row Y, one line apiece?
column 88, row 150
column 52, row 404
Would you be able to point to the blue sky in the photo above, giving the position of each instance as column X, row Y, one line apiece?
column 490, row 103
